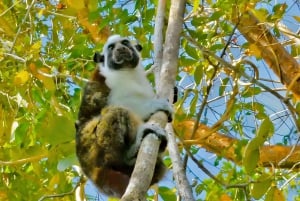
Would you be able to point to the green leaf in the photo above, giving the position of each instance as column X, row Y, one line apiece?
column 259, row 188
column 67, row 162
column 184, row 61
column 265, row 130
column 193, row 104
column 251, row 155
column 223, row 86
column 251, row 91
column 216, row 47
column 167, row 193
column 191, row 51
column 274, row 194
column 56, row 129
column 198, row 74
column 21, row 132
column 261, row 14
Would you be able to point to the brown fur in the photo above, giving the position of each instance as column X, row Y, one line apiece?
column 104, row 133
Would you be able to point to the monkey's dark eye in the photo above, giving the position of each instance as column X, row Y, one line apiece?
column 111, row 46
column 138, row 47
column 125, row 42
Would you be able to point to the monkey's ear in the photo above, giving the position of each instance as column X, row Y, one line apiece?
column 138, row 47
column 98, row 58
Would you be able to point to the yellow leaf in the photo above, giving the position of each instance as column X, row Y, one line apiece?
column 46, row 80
column 254, row 50
column 225, row 197
column 36, row 46
column 78, row 5
column 297, row 18
column 274, row 194
column 196, row 5
column 261, row 14
column 54, row 182
column 21, row 77
column 278, row 195
column 41, row 12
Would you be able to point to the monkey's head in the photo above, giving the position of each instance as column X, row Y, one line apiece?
column 119, row 53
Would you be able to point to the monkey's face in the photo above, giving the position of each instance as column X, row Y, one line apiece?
column 119, row 53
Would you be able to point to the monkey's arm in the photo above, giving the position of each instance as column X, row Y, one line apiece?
column 94, row 98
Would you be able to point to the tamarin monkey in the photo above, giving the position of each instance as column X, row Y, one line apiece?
column 117, row 102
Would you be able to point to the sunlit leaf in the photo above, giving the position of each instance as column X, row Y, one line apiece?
column 21, row 132
column 198, row 74
column 76, row 4
column 296, row 18
column 21, row 77
column 223, row 86
column 261, row 14
column 259, row 188
column 225, row 197
column 56, row 129
column 196, row 5
column 55, row 180
column 194, row 104
column 36, row 47
column 251, row 91
column 191, row 51
column 67, row 162
column 274, row 194
column 265, row 130
column 167, row 193
column 254, row 50
column 251, row 155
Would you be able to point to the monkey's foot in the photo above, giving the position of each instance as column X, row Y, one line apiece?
column 152, row 128
column 144, row 130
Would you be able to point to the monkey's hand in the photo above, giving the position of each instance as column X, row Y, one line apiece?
column 143, row 131
column 163, row 105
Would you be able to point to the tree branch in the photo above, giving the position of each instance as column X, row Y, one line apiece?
column 145, row 163
column 147, row 155
column 225, row 146
column 166, row 85
column 278, row 59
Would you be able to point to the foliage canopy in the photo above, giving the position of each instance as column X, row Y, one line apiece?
column 225, row 83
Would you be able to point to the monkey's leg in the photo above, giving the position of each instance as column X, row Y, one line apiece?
column 115, row 130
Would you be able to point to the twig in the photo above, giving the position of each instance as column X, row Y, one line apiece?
column 24, row 160
column 4, row 12
column 15, row 57
column 63, row 194
column 20, row 26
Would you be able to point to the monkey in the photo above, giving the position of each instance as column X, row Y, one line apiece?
column 112, row 119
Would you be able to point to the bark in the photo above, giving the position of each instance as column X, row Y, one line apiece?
column 143, row 171
column 158, row 39
column 166, row 85
column 278, row 59
column 226, row 146
column 142, row 174
column 165, row 79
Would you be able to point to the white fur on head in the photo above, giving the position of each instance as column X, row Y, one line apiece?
column 112, row 39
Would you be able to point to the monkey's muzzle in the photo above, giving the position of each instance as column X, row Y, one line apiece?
column 122, row 54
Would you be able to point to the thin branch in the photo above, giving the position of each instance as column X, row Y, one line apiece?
column 78, row 185
column 15, row 57
column 206, row 171
column 4, row 12
column 205, row 51
column 24, row 160
column 20, row 25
